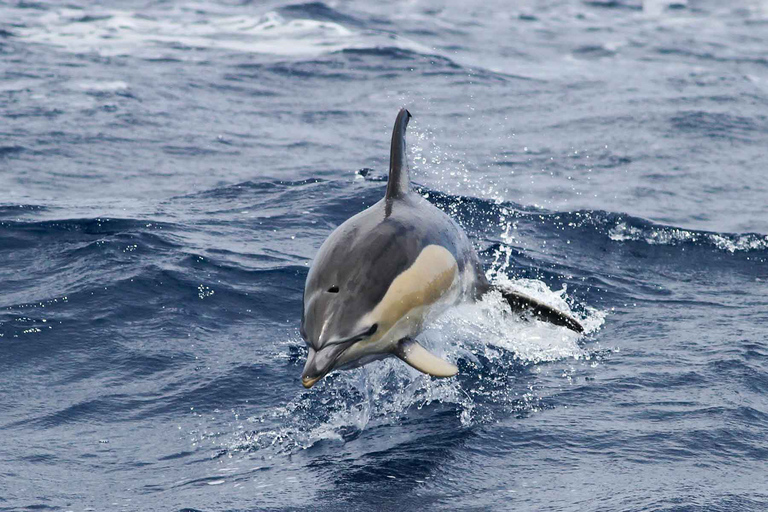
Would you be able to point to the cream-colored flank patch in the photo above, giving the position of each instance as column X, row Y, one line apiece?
column 425, row 282
column 412, row 298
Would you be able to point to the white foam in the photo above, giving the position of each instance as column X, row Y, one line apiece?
column 112, row 33
column 672, row 236
column 106, row 86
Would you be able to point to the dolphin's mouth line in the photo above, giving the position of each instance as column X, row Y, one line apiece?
column 369, row 332
column 308, row 382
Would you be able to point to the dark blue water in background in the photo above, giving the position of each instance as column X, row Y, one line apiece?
column 168, row 170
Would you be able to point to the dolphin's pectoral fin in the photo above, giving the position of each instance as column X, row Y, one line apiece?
column 521, row 303
column 412, row 353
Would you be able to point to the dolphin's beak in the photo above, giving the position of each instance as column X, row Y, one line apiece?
column 308, row 382
column 321, row 362
column 314, row 369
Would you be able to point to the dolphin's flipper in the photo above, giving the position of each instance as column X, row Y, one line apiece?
column 522, row 303
column 412, row 353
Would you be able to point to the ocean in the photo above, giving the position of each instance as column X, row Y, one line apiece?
column 169, row 169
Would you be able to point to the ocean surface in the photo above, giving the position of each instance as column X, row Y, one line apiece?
column 169, row 169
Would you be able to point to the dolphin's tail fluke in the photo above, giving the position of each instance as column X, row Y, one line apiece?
column 522, row 303
column 399, row 182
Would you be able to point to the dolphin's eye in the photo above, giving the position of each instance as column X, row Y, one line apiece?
column 333, row 289
column 372, row 330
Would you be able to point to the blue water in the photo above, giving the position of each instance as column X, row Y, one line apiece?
column 168, row 171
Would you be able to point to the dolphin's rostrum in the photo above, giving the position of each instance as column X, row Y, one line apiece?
column 382, row 275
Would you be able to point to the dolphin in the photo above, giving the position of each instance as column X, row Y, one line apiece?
column 384, row 274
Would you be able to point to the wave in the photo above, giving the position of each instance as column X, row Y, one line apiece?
column 712, row 125
column 499, row 355
column 130, row 33
column 318, row 11
column 83, row 247
column 651, row 234
column 6, row 151
column 615, row 226
column 90, row 226
column 291, row 35
column 623, row 228
column 292, row 31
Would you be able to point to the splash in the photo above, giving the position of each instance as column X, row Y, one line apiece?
column 445, row 169
column 494, row 349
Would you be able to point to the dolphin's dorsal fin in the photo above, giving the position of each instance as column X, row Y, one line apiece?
column 399, row 183
column 412, row 353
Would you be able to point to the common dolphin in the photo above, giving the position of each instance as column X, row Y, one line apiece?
column 383, row 274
